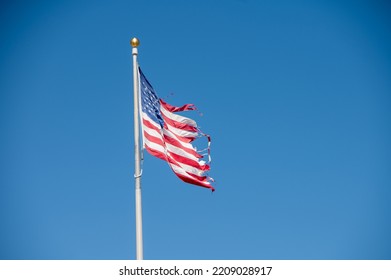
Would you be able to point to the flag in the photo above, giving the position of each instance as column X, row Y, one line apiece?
column 169, row 136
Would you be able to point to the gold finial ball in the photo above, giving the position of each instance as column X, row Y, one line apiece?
column 134, row 42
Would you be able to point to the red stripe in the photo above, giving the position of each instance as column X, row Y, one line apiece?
column 195, row 182
column 186, row 107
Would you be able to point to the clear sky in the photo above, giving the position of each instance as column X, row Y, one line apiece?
column 295, row 94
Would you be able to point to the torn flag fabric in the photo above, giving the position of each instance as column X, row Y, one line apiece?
column 169, row 136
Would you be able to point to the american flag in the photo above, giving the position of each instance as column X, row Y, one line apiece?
column 169, row 136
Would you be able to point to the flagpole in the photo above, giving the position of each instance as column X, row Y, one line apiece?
column 137, row 158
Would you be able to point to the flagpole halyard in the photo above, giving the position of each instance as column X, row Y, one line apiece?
column 137, row 158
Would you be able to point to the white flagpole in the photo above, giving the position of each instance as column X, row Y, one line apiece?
column 137, row 158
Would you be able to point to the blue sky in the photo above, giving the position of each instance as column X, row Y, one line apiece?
column 296, row 97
